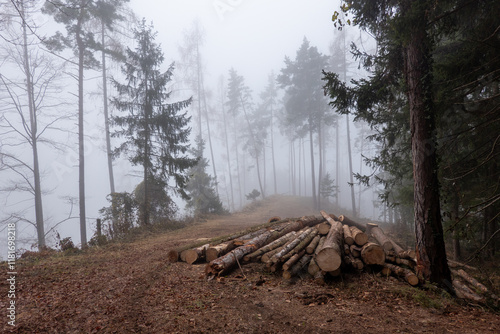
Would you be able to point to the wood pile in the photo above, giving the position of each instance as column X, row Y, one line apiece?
column 315, row 246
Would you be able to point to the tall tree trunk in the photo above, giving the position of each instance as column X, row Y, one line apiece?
column 106, row 114
column 360, row 190
column 313, row 177
column 337, row 162
column 431, row 255
column 272, row 152
column 81, row 143
column 227, row 148
column 320, row 172
column 205, row 108
column 40, row 230
column 353, row 198
column 301, row 153
column 256, row 151
column 237, row 161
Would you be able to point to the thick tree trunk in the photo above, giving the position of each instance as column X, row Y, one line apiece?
column 269, row 247
column 346, row 220
column 431, row 255
column 348, row 238
column 216, row 251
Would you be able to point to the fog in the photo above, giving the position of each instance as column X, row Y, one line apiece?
column 252, row 37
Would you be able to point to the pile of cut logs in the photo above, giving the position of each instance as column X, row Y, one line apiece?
column 317, row 245
column 320, row 246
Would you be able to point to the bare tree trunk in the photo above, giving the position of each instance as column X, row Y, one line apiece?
column 81, row 143
column 227, row 147
column 320, row 172
column 272, row 153
column 337, row 162
column 313, row 177
column 209, row 135
column 431, row 255
column 106, row 113
column 34, row 136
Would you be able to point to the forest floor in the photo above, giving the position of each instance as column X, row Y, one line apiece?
column 131, row 288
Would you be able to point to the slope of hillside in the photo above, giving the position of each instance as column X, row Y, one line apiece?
column 130, row 288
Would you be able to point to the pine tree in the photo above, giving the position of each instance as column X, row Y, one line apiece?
column 155, row 132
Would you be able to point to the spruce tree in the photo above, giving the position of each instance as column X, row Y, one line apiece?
column 155, row 132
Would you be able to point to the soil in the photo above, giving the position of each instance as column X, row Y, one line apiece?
column 130, row 288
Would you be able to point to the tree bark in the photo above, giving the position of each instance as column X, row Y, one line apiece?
column 216, row 251
column 346, row 220
column 348, row 239
column 269, row 247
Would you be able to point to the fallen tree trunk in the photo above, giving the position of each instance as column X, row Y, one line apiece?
column 313, row 267
column 329, row 257
column 371, row 253
column 345, row 220
column 314, row 243
column 195, row 254
column 293, row 259
column 225, row 263
column 355, row 250
column 216, row 251
column 269, row 247
column 474, row 282
column 382, row 239
column 323, row 228
column 297, row 267
column 408, row 275
column 279, row 257
column 464, row 292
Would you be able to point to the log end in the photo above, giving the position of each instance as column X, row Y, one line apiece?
column 172, row 256
column 328, row 259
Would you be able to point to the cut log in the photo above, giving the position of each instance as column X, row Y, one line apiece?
column 355, row 250
column 319, row 277
column 196, row 254
column 297, row 267
column 474, row 282
column 348, row 239
column 407, row 274
column 329, row 257
column 382, row 239
column 269, row 247
column 292, row 260
column 225, row 263
column 371, row 253
column 345, row 220
column 408, row 254
column 216, row 251
column 360, row 237
column 314, row 243
column 347, row 250
column 313, row 267
column 464, row 292
column 455, row 264
column 301, row 246
column 323, row 228
column 274, row 219
column 335, row 273
column 280, row 256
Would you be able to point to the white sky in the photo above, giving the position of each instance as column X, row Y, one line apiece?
column 251, row 36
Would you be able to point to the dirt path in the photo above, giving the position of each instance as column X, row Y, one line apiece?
column 130, row 288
